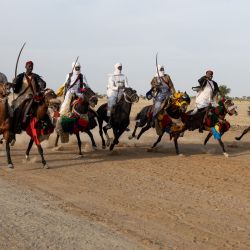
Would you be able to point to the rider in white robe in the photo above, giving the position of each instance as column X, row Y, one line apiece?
column 73, row 87
column 117, row 82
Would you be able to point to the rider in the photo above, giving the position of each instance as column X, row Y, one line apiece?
column 74, row 86
column 163, row 88
column 116, row 84
column 208, row 91
column 27, row 86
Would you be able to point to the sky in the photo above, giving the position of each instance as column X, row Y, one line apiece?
column 190, row 37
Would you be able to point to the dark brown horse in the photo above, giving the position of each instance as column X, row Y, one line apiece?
column 79, row 120
column 211, row 119
column 5, row 119
column 39, row 126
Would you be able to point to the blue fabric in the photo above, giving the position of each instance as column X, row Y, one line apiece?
column 216, row 134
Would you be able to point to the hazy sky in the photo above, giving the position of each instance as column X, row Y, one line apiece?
column 190, row 37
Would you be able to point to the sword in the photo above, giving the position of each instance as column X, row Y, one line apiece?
column 17, row 65
column 156, row 62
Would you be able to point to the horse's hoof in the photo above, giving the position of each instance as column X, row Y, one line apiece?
column 80, row 156
column 181, row 155
column 237, row 138
column 46, row 166
column 226, row 154
column 151, row 149
column 27, row 158
column 94, row 148
column 10, row 165
column 131, row 137
column 103, row 147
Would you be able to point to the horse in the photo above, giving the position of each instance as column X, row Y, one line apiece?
column 39, row 125
column 119, row 119
column 92, row 123
column 79, row 121
column 170, row 118
column 211, row 119
column 245, row 131
column 5, row 120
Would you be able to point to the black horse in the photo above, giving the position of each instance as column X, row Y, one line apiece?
column 119, row 117
column 82, row 118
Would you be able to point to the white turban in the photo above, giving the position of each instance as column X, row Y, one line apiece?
column 117, row 71
column 74, row 66
column 161, row 73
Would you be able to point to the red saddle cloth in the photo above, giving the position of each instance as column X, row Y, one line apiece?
column 38, row 131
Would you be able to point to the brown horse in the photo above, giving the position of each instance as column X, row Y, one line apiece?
column 39, row 127
column 5, row 119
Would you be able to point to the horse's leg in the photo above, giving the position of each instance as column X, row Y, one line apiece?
column 101, row 133
column 243, row 133
column 107, row 135
column 134, row 132
column 176, row 144
column 143, row 130
column 40, row 151
column 207, row 138
column 28, row 149
column 117, row 135
column 91, row 138
column 57, row 139
column 223, row 148
column 79, row 143
column 158, row 140
column 6, row 136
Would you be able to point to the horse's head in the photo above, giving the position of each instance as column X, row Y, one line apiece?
column 90, row 97
column 229, row 106
column 49, row 95
column 180, row 100
column 4, row 89
column 130, row 95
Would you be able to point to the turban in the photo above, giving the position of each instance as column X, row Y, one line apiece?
column 117, row 71
column 76, row 64
column 29, row 63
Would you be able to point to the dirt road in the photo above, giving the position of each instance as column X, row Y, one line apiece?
column 128, row 199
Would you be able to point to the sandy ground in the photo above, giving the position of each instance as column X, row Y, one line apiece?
column 129, row 198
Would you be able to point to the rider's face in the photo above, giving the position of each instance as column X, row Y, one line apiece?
column 120, row 68
column 209, row 75
column 29, row 68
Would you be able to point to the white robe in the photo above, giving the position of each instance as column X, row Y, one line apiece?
column 205, row 97
column 75, row 90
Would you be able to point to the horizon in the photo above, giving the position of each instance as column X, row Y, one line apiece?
column 190, row 38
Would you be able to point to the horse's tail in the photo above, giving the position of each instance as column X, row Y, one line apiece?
column 248, row 110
